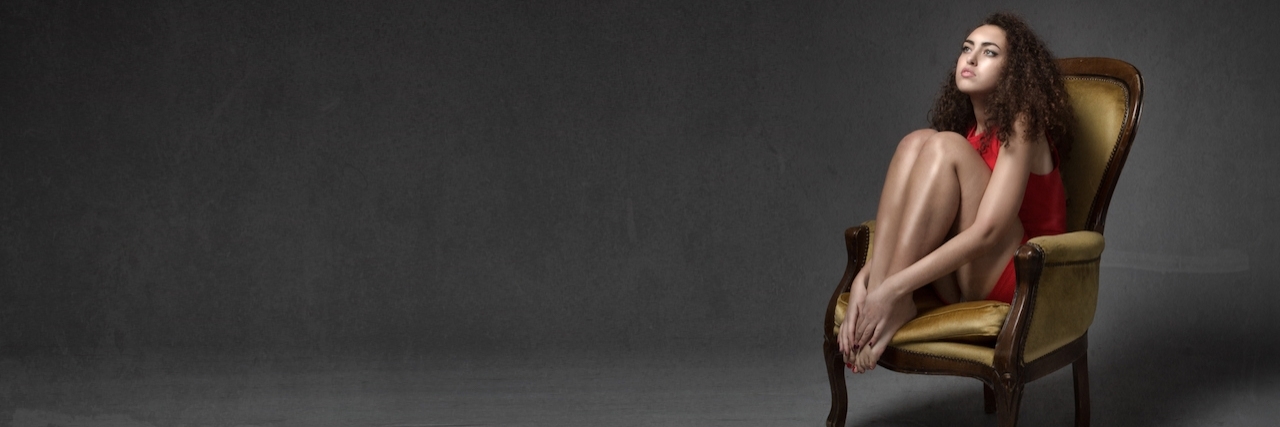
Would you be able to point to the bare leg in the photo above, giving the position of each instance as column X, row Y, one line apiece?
column 887, row 224
column 939, row 197
column 892, row 200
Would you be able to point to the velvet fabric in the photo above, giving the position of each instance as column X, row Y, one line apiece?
column 1099, row 105
column 1067, row 296
column 975, row 322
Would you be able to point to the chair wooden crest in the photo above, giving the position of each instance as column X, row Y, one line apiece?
column 1047, row 324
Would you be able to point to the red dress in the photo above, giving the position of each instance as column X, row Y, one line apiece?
column 1043, row 211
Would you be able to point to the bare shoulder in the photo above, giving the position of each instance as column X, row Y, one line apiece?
column 1033, row 148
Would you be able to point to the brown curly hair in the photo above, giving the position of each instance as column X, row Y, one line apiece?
column 1031, row 83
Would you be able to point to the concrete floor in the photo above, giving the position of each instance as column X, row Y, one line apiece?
column 584, row 391
column 1202, row 361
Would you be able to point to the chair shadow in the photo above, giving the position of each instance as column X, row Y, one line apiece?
column 954, row 408
column 1152, row 364
column 1159, row 379
column 1148, row 384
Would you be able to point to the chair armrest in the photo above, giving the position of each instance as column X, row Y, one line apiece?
column 1074, row 247
column 1057, row 293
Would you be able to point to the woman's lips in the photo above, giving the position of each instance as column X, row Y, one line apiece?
column 966, row 73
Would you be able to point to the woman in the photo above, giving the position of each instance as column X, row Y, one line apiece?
column 960, row 198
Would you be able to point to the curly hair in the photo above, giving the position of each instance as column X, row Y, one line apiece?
column 1030, row 84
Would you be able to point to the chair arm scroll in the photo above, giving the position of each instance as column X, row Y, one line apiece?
column 857, row 242
column 1070, row 248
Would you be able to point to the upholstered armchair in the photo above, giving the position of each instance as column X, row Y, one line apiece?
column 1046, row 326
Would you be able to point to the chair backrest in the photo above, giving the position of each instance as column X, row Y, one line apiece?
column 1107, row 97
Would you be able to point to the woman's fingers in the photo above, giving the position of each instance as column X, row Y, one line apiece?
column 844, row 343
column 861, row 335
column 867, row 334
column 841, row 342
column 849, row 348
column 849, row 326
column 846, row 333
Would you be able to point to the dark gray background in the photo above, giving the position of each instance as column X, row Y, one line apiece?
column 216, row 181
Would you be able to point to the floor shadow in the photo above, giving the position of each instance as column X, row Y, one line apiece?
column 954, row 408
column 1184, row 350
column 958, row 402
column 1189, row 357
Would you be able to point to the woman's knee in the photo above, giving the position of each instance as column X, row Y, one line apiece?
column 942, row 147
column 914, row 141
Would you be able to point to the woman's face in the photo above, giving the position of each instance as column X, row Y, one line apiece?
column 981, row 60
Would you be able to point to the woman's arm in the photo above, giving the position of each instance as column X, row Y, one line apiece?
column 1000, row 204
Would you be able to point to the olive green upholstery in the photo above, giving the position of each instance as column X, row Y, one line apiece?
column 1065, row 305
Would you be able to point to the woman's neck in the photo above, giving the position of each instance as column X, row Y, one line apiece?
column 979, row 114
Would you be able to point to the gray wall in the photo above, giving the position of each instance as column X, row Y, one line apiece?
column 425, row 178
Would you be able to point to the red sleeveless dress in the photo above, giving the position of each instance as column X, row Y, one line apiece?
column 1043, row 211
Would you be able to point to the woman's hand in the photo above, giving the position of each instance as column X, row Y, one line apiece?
column 884, row 311
column 857, row 294
column 877, row 310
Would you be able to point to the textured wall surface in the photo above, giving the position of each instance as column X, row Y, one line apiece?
column 416, row 178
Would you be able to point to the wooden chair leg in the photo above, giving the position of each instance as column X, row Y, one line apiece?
column 839, row 394
column 988, row 399
column 1080, row 370
column 1008, row 399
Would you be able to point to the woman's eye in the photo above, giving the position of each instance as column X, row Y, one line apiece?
column 990, row 52
column 965, row 49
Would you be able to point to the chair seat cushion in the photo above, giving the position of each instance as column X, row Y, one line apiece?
column 981, row 354
column 973, row 322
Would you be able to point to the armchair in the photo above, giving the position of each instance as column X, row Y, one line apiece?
column 1046, row 326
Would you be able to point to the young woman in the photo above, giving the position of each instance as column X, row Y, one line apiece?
column 961, row 197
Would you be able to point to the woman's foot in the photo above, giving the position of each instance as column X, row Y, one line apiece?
column 902, row 312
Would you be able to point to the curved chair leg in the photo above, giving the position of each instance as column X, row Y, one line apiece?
column 1008, row 399
column 839, row 394
column 988, row 399
column 1080, row 370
